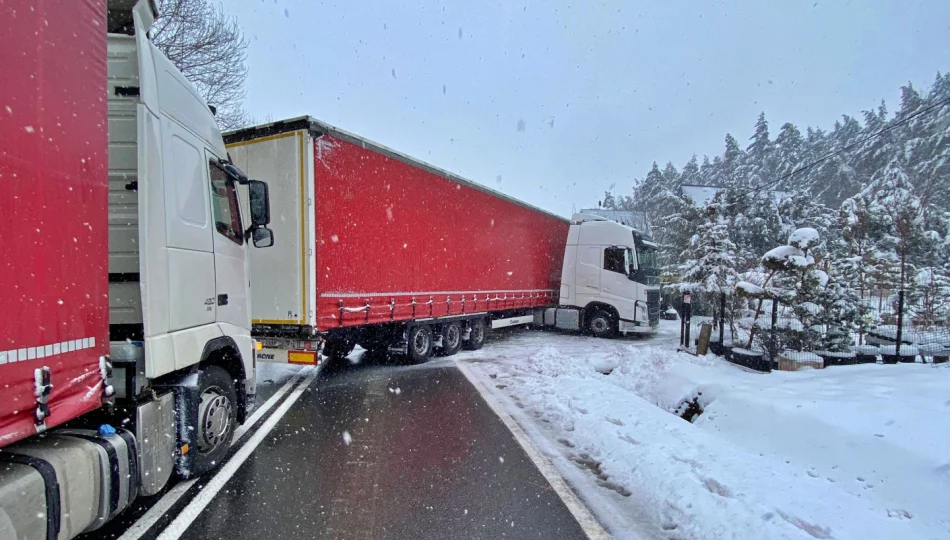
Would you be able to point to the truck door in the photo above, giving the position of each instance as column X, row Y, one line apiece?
column 616, row 287
column 191, row 276
column 229, row 245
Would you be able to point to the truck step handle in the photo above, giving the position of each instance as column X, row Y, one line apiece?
column 223, row 299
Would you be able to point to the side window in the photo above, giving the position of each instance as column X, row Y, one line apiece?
column 224, row 205
column 614, row 260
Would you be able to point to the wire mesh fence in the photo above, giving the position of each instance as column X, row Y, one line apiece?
column 902, row 326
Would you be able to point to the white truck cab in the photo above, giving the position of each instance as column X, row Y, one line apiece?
column 179, row 299
column 609, row 279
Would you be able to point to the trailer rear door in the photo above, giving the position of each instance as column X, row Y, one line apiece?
column 282, row 277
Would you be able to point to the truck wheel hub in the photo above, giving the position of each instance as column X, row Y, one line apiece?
column 420, row 342
column 599, row 325
column 214, row 419
column 452, row 337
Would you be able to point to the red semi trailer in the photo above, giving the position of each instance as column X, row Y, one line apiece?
column 378, row 249
column 118, row 368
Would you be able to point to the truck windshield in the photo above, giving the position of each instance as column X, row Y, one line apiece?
column 646, row 257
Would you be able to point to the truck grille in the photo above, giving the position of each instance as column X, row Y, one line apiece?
column 653, row 307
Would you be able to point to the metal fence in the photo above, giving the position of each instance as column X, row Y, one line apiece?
column 893, row 327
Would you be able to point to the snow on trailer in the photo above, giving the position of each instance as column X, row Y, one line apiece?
column 368, row 236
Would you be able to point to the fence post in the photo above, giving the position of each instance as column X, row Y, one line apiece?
column 722, row 317
column 772, row 344
column 685, row 320
column 900, row 321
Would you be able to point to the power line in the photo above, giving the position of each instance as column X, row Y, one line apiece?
column 826, row 157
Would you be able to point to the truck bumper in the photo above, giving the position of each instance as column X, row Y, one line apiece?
column 628, row 327
column 288, row 356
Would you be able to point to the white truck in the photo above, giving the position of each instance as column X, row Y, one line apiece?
column 125, row 346
column 383, row 250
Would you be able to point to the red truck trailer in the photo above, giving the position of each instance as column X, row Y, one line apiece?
column 377, row 248
column 118, row 366
column 54, row 193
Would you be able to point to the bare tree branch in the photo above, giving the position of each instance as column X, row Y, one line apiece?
column 210, row 49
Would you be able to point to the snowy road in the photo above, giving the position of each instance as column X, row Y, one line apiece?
column 365, row 451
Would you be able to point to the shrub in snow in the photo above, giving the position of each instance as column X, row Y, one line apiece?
column 791, row 278
column 931, row 301
column 798, row 361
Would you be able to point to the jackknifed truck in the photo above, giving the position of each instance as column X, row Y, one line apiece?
column 126, row 354
column 378, row 249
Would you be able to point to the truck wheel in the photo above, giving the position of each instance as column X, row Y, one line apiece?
column 476, row 338
column 217, row 417
column 338, row 349
column 601, row 324
column 451, row 339
column 419, row 343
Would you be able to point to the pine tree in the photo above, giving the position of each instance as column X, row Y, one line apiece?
column 690, row 172
column 730, row 162
column 789, row 155
column 710, row 259
column 901, row 211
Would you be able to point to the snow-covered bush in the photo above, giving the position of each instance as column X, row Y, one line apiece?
column 931, row 304
column 791, row 278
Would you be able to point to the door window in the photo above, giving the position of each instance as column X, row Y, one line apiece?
column 615, row 260
column 224, row 204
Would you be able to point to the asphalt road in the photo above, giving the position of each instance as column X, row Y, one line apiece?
column 383, row 452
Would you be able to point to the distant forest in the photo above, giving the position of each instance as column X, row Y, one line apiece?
column 776, row 184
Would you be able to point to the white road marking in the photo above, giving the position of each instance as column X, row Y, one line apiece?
column 181, row 523
column 262, row 410
column 144, row 523
column 578, row 509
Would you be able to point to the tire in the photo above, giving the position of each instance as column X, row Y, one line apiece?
column 419, row 343
column 476, row 337
column 217, row 418
column 451, row 339
column 602, row 324
column 338, row 348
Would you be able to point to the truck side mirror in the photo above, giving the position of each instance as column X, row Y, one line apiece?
column 262, row 237
column 260, row 203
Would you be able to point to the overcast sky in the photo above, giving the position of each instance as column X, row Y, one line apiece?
column 554, row 103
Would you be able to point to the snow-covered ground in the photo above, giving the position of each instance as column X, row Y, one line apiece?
column 846, row 452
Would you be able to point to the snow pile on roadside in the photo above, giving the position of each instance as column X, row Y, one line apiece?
column 848, row 452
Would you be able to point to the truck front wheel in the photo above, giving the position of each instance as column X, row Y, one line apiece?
column 601, row 324
column 419, row 343
column 217, row 418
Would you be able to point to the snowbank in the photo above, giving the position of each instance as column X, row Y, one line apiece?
column 906, row 350
column 854, row 452
column 801, row 357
